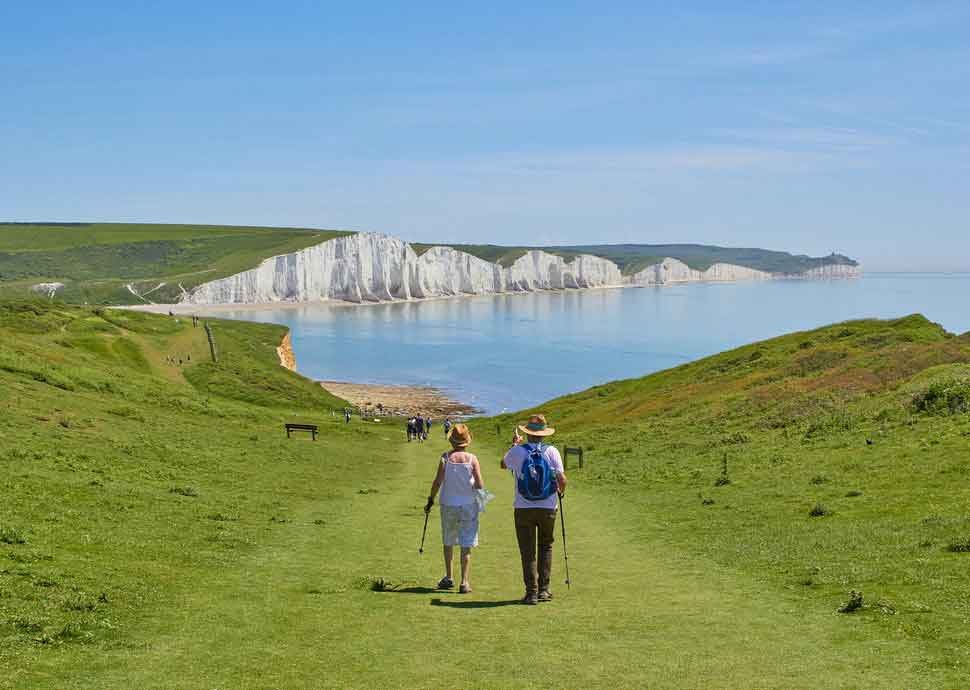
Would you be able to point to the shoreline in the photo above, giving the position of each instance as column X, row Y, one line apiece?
column 183, row 308
column 399, row 400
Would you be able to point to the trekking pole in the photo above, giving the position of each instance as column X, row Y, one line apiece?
column 562, row 523
column 424, row 531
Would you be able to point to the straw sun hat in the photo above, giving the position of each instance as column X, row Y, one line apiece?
column 460, row 436
column 536, row 426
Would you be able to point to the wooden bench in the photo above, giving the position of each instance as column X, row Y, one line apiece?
column 312, row 428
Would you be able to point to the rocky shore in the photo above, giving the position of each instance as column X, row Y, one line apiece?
column 399, row 401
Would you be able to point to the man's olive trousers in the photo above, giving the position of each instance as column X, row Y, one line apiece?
column 535, row 527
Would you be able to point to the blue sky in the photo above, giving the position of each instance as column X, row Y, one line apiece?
column 809, row 127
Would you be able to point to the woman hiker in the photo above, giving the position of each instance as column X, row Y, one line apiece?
column 539, row 481
column 458, row 477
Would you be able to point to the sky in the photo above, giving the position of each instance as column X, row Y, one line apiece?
column 806, row 127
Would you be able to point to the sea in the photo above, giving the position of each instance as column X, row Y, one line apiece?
column 509, row 352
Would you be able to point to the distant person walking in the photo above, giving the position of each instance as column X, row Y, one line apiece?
column 447, row 426
column 419, row 428
column 347, row 416
column 459, row 477
column 410, row 426
column 539, row 481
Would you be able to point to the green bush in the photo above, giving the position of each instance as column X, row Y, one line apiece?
column 947, row 396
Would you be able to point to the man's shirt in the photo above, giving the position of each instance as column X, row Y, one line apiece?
column 514, row 460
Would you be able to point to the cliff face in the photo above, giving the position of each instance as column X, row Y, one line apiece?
column 371, row 267
column 285, row 353
column 674, row 271
column 829, row 271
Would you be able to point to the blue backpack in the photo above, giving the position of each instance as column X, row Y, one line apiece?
column 537, row 481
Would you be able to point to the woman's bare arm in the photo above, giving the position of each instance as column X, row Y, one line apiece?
column 438, row 479
column 477, row 474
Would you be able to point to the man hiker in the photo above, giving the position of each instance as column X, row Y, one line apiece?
column 447, row 426
column 539, row 482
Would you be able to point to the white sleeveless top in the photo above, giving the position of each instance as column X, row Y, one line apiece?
column 458, row 488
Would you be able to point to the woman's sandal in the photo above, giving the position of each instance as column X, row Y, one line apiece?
column 464, row 589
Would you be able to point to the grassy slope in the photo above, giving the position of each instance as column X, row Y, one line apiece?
column 173, row 538
column 826, row 417
column 634, row 257
column 95, row 261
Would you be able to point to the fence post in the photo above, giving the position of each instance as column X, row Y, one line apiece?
column 212, row 342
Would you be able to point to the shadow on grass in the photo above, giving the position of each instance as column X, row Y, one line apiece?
column 412, row 590
column 474, row 604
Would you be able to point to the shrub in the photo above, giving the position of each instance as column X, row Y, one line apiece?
column 819, row 510
column 819, row 479
column 184, row 491
column 12, row 535
column 948, row 396
column 854, row 603
column 959, row 546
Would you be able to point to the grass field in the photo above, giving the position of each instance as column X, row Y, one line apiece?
column 157, row 529
column 96, row 260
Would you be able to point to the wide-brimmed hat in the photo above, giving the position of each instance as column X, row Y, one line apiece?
column 536, row 426
column 460, row 436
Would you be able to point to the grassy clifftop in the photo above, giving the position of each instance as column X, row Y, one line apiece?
column 820, row 462
column 96, row 260
column 635, row 257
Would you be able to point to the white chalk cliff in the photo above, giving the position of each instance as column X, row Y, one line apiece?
column 371, row 267
column 674, row 271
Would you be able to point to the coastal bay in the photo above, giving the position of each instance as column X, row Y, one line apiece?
column 508, row 352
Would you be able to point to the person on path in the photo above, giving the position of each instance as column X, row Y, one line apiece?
column 539, row 482
column 410, row 428
column 447, row 427
column 347, row 416
column 419, row 427
column 459, row 477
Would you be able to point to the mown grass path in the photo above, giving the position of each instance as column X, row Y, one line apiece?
column 297, row 612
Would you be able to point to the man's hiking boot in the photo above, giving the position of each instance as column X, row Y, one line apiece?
column 545, row 595
column 446, row 583
column 530, row 598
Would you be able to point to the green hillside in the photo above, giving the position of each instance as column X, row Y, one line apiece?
column 96, row 260
column 634, row 257
column 817, row 463
column 158, row 530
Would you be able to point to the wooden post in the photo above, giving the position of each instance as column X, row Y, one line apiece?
column 212, row 342
column 573, row 451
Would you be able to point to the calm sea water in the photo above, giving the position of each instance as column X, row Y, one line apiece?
column 509, row 352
